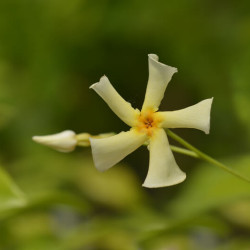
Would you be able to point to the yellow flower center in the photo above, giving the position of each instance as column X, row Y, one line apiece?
column 148, row 120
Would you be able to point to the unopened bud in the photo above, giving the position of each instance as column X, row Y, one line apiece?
column 64, row 142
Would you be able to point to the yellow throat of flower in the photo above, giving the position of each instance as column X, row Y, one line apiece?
column 148, row 121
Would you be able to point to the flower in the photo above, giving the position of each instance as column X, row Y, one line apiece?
column 63, row 142
column 147, row 126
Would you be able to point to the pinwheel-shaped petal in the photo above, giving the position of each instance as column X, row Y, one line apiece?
column 109, row 151
column 163, row 170
column 196, row 116
column 159, row 77
column 119, row 106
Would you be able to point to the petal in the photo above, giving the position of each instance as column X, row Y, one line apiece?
column 62, row 142
column 109, row 151
column 163, row 170
column 119, row 106
column 196, row 116
column 159, row 77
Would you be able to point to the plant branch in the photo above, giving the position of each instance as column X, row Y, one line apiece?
column 204, row 156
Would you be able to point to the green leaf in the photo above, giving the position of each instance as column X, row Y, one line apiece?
column 240, row 85
column 117, row 188
column 210, row 187
column 10, row 194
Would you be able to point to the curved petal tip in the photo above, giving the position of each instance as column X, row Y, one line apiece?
column 102, row 80
column 154, row 57
column 169, row 181
column 209, row 106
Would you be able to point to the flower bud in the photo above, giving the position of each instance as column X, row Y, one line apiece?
column 63, row 142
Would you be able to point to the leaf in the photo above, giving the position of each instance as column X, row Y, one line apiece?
column 117, row 188
column 210, row 188
column 238, row 213
column 240, row 85
column 10, row 194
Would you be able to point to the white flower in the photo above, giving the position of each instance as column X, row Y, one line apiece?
column 64, row 142
column 148, row 125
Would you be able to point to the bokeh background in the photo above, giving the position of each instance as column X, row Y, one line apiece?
column 50, row 53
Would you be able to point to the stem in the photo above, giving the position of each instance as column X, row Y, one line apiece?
column 204, row 156
column 83, row 139
column 184, row 151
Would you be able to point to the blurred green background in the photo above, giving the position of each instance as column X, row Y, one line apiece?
column 50, row 53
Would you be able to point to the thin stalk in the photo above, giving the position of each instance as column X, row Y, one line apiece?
column 184, row 151
column 204, row 156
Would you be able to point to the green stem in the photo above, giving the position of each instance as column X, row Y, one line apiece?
column 204, row 156
column 184, row 151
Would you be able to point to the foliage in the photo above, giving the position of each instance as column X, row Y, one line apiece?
column 50, row 53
